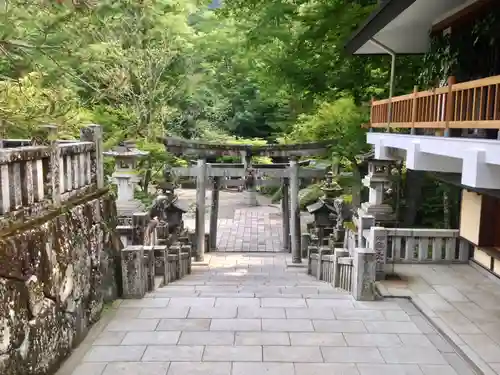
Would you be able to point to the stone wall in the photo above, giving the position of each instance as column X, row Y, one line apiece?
column 56, row 272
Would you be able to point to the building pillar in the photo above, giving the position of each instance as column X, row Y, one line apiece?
column 285, row 213
column 200, row 209
column 214, row 213
column 295, row 211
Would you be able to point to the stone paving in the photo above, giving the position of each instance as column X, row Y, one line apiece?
column 462, row 301
column 248, row 314
column 242, row 228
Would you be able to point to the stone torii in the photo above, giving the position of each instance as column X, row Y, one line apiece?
column 288, row 173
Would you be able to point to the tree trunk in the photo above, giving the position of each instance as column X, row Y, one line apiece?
column 446, row 210
column 356, row 186
column 414, row 183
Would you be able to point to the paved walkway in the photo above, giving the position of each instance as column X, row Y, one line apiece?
column 463, row 302
column 247, row 314
column 241, row 228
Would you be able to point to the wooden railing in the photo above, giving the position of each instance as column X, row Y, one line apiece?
column 467, row 105
column 34, row 178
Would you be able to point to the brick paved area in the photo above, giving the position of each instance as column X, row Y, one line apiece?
column 242, row 228
column 247, row 314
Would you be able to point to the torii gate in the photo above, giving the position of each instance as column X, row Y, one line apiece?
column 288, row 173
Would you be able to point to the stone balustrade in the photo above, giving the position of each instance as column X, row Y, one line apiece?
column 140, row 265
column 36, row 177
column 352, row 273
column 405, row 245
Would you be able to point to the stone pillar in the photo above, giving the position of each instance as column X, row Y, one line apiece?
column 378, row 242
column 54, row 164
column 149, row 265
column 133, row 272
column 305, row 241
column 285, row 213
column 93, row 133
column 365, row 222
column 294, row 211
column 140, row 222
column 363, row 285
column 214, row 213
column 200, row 209
column 251, row 193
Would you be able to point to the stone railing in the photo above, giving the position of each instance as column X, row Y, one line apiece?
column 34, row 178
column 352, row 273
column 140, row 265
column 402, row 245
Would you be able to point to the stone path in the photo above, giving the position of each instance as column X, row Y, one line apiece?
column 247, row 314
column 242, row 228
column 252, row 229
column 462, row 301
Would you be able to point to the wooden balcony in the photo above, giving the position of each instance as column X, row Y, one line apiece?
column 467, row 105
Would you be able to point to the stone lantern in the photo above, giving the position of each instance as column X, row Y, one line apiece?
column 378, row 180
column 328, row 211
column 126, row 178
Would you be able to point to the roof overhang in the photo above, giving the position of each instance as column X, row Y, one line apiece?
column 402, row 26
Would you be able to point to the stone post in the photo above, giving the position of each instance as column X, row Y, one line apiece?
column 311, row 250
column 363, row 285
column 338, row 253
column 285, row 210
column 140, row 221
column 214, row 212
column 54, row 164
column 133, row 272
column 295, row 211
column 304, row 243
column 365, row 222
column 251, row 193
column 378, row 242
column 93, row 133
column 200, row 209
column 187, row 249
column 149, row 265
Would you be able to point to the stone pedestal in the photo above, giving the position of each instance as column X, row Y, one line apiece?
column 363, row 286
column 134, row 278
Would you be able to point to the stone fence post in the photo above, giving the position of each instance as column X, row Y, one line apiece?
column 363, row 280
column 93, row 133
column 378, row 242
column 54, row 178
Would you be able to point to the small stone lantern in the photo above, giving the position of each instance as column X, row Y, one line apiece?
column 126, row 177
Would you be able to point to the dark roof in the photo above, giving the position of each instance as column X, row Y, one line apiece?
column 385, row 13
